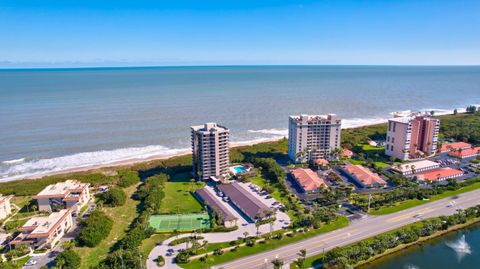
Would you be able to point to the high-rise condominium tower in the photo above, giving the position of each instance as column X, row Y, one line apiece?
column 210, row 151
column 412, row 137
column 312, row 137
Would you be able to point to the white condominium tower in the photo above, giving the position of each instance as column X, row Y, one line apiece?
column 312, row 137
column 210, row 151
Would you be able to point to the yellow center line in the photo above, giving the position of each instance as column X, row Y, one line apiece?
column 261, row 261
column 409, row 215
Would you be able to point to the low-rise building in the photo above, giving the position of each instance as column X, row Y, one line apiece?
column 364, row 176
column 439, row 174
column 71, row 194
column 5, row 206
column 308, row 180
column 415, row 167
column 250, row 205
column 455, row 146
column 44, row 232
column 465, row 153
column 209, row 199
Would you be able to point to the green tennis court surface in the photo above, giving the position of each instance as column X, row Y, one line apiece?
column 186, row 222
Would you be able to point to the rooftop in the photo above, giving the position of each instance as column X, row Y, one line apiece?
column 3, row 199
column 466, row 152
column 439, row 173
column 417, row 165
column 313, row 118
column 208, row 127
column 42, row 226
column 455, row 145
column 62, row 189
column 249, row 204
column 215, row 204
column 364, row 175
column 308, row 179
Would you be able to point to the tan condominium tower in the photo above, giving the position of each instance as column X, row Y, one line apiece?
column 312, row 137
column 210, row 151
column 412, row 137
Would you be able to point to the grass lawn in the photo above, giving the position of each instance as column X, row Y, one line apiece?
column 412, row 203
column 179, row 199
column 271, row 244
column 122, row 216
column 21, row 201
column 149, row 243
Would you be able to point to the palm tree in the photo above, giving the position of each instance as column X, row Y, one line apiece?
column 300, row 261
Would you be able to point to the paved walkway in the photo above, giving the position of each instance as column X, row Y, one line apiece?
column 243, row 226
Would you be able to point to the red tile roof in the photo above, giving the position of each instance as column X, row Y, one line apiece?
column 364, row 175
column 308, row 179
column 441, row 173
column 454, row 146
column 321, row 162
column 465, row 152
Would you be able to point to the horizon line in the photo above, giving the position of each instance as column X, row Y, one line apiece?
column 230, row 65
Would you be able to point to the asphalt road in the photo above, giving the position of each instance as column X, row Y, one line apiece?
column 356, row 231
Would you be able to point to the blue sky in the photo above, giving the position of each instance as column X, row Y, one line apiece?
column 104, row 33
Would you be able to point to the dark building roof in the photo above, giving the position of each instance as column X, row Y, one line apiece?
column 245, row 201
column 214, row 204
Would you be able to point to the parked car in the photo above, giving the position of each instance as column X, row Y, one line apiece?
column 30, row 262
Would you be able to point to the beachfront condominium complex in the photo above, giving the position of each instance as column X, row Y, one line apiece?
column 412, row 137
column 70, row 194
column 210, row 151
column 44, row 232
column 312, row 137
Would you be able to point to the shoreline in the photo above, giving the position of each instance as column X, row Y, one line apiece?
column 165, row 156
column 133, row 161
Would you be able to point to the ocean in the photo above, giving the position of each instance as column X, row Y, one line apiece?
column 58, row 119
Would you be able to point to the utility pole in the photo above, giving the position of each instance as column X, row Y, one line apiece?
column 369, row 201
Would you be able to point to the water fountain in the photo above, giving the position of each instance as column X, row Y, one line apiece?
column 461, row 247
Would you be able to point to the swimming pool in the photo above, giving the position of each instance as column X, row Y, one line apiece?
column 239, row 169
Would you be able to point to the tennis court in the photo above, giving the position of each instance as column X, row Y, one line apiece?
column 183, row 222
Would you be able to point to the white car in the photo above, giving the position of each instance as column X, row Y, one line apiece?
column 30, row 262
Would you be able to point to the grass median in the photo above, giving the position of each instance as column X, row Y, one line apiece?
column 261, row 247
column 412, row 203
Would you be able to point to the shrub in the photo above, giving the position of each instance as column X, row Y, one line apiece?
column 114, row 197
column 160, row 260
column 94, row 229
column 68, row 259
column 127, row 178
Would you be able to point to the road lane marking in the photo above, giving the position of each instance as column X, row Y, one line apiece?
column 410, row 215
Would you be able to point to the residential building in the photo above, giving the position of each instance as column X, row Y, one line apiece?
column 71, row 194
column 455, row 146
column 250, row 205
column 210, row 151
column 415, row 167
column 215, row 204
column 439, row 174
column 312, row 137
column 5, row 206
column 412, row 137
column 465, row 153
column 308, row 180
column 44, row 232
column 363, row 176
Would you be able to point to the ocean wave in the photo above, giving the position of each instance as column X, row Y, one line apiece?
column 9, row 162
column 281, row 132
column 83, row 160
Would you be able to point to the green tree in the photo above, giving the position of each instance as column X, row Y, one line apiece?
column 68, row 259
column 127, row 178
column 114, row 197
column 94, row 228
